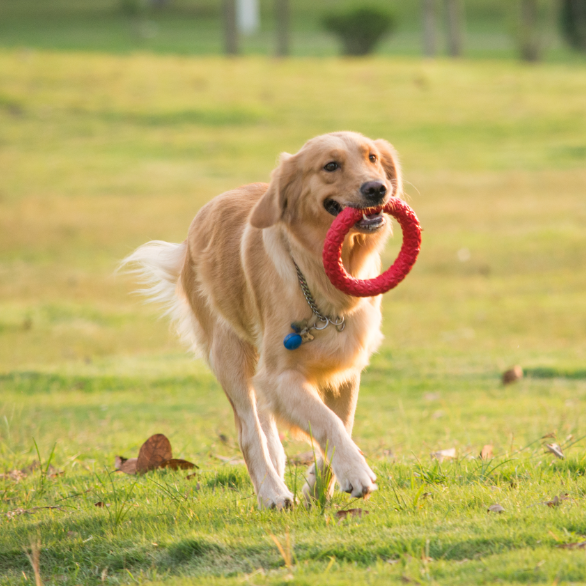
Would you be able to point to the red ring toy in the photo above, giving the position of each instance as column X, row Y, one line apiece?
column 391, row 277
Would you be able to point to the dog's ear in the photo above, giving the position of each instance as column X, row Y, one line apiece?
column 285, row 183
column 391, row 165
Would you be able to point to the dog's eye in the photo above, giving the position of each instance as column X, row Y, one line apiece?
column 372, row 158
column 332, row 166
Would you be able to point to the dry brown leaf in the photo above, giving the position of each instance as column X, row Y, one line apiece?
column 178, row 464
column 496, row 508
column 101, row 504
column 351, row 513
column 578, row 545
column 444, row 454
column 512, row 375
column 155, row 451
column 128, row 466
column 556, row 501
column 555, row 449
column 16, row 475
column 119, row 461
column 486, row 452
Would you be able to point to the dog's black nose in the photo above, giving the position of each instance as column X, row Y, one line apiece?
column 373, row 191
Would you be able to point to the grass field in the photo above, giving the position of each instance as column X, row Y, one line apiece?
column 99, row 153
column 194, row 27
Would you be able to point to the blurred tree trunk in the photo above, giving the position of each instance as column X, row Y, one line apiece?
column 429, row 27
column 529, row 31
column 573, row 23
column 454, row 27
column 282, row 18
column 230, row 29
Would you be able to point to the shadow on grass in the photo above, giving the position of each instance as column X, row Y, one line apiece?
column 546, row 372
column 32, row 382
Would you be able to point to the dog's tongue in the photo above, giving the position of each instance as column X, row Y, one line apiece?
column 369, row 221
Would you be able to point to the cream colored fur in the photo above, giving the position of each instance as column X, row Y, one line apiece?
column 232, row 291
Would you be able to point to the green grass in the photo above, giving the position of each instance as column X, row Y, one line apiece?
column 194, row 27
column 99, row 153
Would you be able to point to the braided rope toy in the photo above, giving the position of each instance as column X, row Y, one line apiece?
column 392, row 276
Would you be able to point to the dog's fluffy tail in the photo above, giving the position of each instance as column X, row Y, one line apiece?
column 158, row 266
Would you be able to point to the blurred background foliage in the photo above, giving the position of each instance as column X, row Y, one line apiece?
column 491, row 28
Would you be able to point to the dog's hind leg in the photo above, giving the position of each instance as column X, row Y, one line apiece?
column 276, row 451
column 233, row 362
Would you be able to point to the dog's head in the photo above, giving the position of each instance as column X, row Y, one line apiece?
column 332, row 171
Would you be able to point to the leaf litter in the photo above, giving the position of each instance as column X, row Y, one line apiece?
column 344, row 514
column 555, row 449
column 442, row 455
column 496, row 508
column 156, row 453
column 19, row 474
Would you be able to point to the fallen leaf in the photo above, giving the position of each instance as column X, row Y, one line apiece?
column 579, row 545
column 512, row 375
column 444, row 454
column 155, row 451
column 118, row 461
column 16, row 475
column 496, row 508
column 351, row 513
column 101, row 504
column 20, row 511
column 557, row 500
column 30, row 468
column 486, row 452
column 126, row 465
column 555, row 449
column 178, row 464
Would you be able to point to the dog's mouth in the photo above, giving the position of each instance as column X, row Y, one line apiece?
column 368, row 223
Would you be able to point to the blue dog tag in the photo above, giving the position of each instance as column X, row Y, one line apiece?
column 292, row 341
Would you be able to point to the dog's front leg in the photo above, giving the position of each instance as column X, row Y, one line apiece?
column 233, row 362
column 297, row 401
column 342, row 401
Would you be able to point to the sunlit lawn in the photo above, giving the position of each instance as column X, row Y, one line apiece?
column 100, row 153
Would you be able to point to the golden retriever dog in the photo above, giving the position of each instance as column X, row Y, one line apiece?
column 233, row 289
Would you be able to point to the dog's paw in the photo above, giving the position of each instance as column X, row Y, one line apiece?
column 275, row 499
column 355, row 476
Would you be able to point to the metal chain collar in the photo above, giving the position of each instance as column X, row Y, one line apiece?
column 338, row 322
